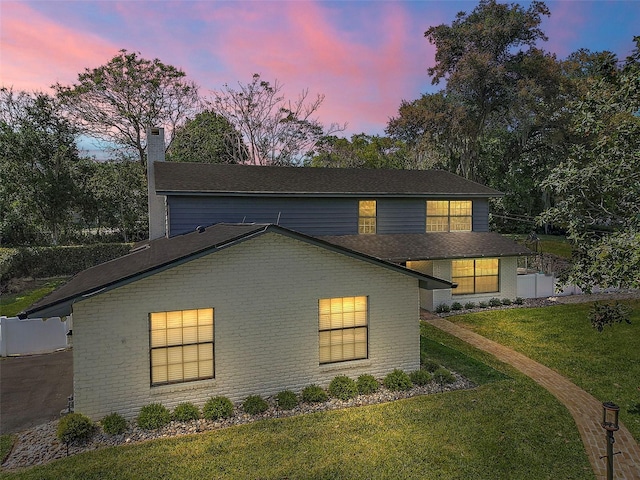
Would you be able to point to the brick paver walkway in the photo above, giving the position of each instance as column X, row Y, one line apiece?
column 585, row 409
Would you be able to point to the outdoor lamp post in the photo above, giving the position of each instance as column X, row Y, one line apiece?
column 610, row 413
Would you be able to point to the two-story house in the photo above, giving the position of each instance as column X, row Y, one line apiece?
column 260, row 279
column 431, row 221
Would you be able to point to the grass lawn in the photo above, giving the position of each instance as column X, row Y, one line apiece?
column 6, row 443
column 11, row 305
column 553, row 244
column 509, row 427
column 606, row 364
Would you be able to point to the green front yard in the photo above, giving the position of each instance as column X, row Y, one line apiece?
column 508, row 427
column 606, row 364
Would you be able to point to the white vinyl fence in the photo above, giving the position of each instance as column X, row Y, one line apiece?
column 32, row 336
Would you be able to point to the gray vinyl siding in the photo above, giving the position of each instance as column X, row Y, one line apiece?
column 399, row 215
column 312, row 216
column 481, row 215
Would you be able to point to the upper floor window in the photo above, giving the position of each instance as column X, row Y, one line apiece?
column 342, row 329
column 449, row 215
column 479, row 275
column 367, row 216
column 181, row 343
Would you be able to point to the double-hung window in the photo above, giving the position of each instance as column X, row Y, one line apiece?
column 181, row 344
column 449, row 215
column 480, row 275
column 367, row 216
column 343, row 329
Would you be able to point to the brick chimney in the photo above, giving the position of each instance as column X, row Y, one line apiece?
column 157, row 203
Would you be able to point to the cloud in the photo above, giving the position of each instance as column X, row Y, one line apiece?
column 37, row 52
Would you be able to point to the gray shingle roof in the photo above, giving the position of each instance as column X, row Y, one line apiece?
column 431, row 246
column 185, row 178
column 158, row 255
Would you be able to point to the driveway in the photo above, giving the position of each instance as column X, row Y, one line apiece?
column 34, row 389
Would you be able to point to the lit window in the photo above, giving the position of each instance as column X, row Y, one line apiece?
column 449, row 216
column 367, row 216
column 181, row 344
column 479, row 275
column 342, row 329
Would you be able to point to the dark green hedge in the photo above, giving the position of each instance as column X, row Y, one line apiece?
column 42, row 262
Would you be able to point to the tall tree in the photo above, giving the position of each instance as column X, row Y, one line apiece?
column 208, row 138
column 118, row 101
column 598, row 186
column 277, row 131
column 39, row 163
column 480, row 55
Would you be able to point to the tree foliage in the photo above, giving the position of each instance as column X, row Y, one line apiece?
column 362, row 151
column 208, row 138
column 118, row 101
column 597, row 187
column 40, row 169
column 276, row 130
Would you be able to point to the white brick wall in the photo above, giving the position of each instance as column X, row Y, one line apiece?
column 265, row 294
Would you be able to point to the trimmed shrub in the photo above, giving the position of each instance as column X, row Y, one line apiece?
column 495, row 302
column 153, row 416
column 506, row 301
column 186, row 412
column 75, row 428
column 519, row 301
column 314, row 394
column 217, row 407
column 420, row 377
column 430, row 365
column 397, row 381
column 469, row 305
column 343, row 387
column 443, row 308
column 255, row 404
column 483, row 305
column 455, row 306
column 367, row 384
column 42, row 262
column 287, row 400
column 443, row 376
column 114, row 424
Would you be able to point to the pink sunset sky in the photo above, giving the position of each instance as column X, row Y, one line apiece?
column 364, row 56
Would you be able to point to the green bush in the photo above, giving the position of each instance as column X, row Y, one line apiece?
column 443, row 308
column 420, row 377
column 255, row 404
column 430, row 365
column 603, row 314
column 217, row 407
column 152, row 416
column 186, row 412
column 469, row 305
column 483, row 305
column 114, row 424
column 75, row 428
column 367, row 384
column 397, row 381
column 343, row 387
column 455, row 306
column 443, row 376
column 314, row 394
column 506, row 301
column 42, row 262
column 519, row 301
column 495, row 302
column 287, row 400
